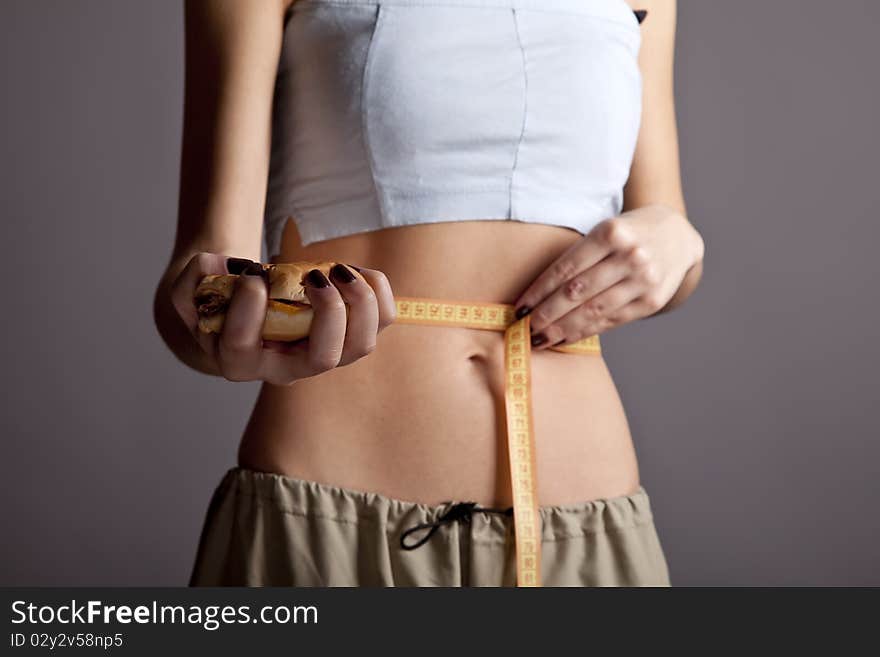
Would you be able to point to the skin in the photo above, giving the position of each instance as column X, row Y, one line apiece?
column 649, row 259
column 417, row 412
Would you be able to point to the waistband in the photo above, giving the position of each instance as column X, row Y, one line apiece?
column 311, row 499
column 617, row 10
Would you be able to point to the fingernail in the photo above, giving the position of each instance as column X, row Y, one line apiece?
column 522, row 311
column 253, row 269
column 538, row 340
column 341, row 273
column 256, row 270
column 355, row 268
column 558, row 343
column 316, row 278
column 237, row 265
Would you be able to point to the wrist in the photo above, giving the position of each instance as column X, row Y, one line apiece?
column 693, row 241
column 698, row 247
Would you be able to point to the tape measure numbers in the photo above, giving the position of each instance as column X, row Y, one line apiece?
column 518, row 406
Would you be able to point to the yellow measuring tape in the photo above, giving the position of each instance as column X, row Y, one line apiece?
column 518, row 405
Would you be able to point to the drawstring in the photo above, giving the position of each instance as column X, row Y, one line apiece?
column 460, row 511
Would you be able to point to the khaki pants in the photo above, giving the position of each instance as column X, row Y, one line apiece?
column 269, row 530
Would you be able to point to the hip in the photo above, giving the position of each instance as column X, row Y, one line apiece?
column 270, row 530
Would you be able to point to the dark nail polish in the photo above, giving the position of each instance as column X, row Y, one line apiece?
column 522, row 311
column 316, row 278
column 255, row 269
column 237, row 265
column 355, row 268
column 341, row 273
column 538, row 340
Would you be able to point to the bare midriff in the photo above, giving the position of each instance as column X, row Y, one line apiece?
column 422, row 418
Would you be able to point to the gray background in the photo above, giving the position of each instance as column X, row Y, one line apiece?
column 754, row 406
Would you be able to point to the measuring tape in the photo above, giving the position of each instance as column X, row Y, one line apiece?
column 518, row 405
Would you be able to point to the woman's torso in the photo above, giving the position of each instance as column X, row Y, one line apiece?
column 422, row 417
column 408, row 111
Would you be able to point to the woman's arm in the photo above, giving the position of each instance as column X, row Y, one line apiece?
column 647, row 260
column 655, row 176
column 232, row 51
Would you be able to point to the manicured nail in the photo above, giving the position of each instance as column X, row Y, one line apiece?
column 341, row 273
column 356, row 268
column 256, row 270
column 316, row 278
column 538, row 340
column 237, row 265
column 522, row 311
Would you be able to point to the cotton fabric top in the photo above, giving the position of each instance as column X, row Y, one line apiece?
column 397, row 112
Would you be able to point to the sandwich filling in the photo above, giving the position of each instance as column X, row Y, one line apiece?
column 211, row 302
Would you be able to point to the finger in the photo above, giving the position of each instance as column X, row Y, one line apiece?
column 649, row 303
column 183, row 289
column 578, row 290
column 602, row 312
column 636, row 309
column 363, row 314
column 387, row 313
column 286, row 346
column 385, row 302
column 605, row 238
column 322, row 350
column 240, row 345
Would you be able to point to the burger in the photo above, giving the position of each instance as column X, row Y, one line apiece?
column 288, row 314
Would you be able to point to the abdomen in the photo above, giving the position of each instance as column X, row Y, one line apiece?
column 422, row 417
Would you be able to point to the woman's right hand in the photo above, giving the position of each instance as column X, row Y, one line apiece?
column 334, row 340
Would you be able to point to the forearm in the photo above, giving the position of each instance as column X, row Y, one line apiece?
column 173, row 330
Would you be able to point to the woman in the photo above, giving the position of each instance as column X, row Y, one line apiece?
column 510, row 151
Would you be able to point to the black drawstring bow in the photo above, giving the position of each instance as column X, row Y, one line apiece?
column 461, row 511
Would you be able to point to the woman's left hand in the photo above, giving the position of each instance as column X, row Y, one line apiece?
column 624, row 269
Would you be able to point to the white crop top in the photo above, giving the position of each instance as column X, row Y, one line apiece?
column 396, row 112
